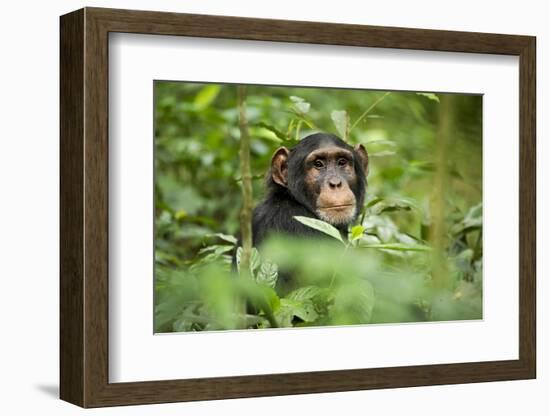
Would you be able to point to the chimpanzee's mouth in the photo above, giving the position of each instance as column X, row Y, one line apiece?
column 337, row 214
column 338, row 206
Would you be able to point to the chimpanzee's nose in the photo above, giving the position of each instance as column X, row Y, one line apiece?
column 335, row 182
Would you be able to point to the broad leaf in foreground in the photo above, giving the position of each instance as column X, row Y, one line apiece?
column 322, row 226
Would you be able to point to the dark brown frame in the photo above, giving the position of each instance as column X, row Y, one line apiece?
column 84, row 208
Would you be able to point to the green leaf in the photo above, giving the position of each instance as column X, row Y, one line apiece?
column 391, row 205
column 180, row 214
column 304, row 310
column 398, row 247
column 274, row 130
column 272, row 300
column 429, row 95
column 217, row 249
column 303, row 118
column 303, row 107
column 225, row 237
column 340, row 119
column 263, row 133
column 264, row 298
column 268, row 273
column 300, row 104
column 357, row 232
column 319, row 225
column 255, row 260
column 353, row 304
column 238, row 258
column 301, row 303
column 472, row 221
column 305, row 293
column 261, row 297
column 298, row 127
column 290, row 127
column 206, row 96
column 422, row 165
column 375, row 200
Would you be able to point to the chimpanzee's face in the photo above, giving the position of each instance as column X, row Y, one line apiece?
column 330, row 178
column 326, row 175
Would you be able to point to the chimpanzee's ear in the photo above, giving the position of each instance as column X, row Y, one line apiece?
column 279, row 166
column 364, row 156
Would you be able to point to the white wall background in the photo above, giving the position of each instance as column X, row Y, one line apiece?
column 29, row 208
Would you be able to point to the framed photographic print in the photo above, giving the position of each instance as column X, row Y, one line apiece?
column 255, row 207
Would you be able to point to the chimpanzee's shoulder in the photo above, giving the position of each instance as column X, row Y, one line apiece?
column 276, row 214
column 277, row 208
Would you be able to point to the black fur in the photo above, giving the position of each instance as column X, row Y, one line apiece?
column 275, row 213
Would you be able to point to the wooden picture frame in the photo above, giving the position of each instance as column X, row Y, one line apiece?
column 84, row 207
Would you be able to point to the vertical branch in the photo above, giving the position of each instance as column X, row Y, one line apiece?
column 246, row 177
column 346, row 128
column 438, row 208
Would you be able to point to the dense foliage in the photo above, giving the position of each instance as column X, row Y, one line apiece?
column 414, row 255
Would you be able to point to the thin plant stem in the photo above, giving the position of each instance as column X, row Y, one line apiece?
column 246, row 178
column 368, row 110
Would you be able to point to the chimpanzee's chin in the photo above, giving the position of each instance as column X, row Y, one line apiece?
column 338, row 215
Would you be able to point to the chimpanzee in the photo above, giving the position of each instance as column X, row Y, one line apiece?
column 321, row 177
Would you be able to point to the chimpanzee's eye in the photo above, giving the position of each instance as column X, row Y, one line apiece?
column 342, row 161
column 318, row 164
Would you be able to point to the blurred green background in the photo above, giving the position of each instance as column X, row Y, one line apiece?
column 415, row 254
